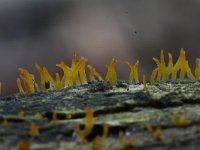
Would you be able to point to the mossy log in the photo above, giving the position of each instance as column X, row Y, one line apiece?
column 125, row 107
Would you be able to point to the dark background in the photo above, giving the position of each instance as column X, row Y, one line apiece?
column 48, row 31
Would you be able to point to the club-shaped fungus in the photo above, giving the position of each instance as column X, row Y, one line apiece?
column 111, row 76
column 149, row 129
column 197, row 69
column 54, row 116
column 183, row 66
column 158, row 133
column 153, row 76
column 126, row 142
column 46, row 79
column 89, row 123
column 58, row 83
column 34, row 130
column 38, row 116
column 24, row 145
column 181, row 121
column 99, row 140
column 28, row 82
column 81, row 70
column 21, row 114
column 144, row 82
column 5, row 123
column 133, row 72
column 93, row 74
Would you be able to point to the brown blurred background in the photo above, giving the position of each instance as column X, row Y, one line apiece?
column 48, row 31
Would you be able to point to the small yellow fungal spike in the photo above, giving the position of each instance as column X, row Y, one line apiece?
column 99, row 140
column 34, row 131
column 21, row 114
column 28, row 81
column 153, row 76
column 149, row 129
column 126, row 142
column 111, row 76
column 46, row 79
column 54, row 116
column 181, row 121
column 183, row 66
column 94, row 74
column 144, row 82
column 24, row 145
column 67, row 73
column 133, row 72
column 89, row 123
column 5, row 123
column 197, row 69
column 158, row 133
column 58, row 85
column 38, row 116
column 19, row 85
column 162, row 70
column 81, row 68
column 170, row 66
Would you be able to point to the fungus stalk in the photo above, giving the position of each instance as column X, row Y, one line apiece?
column 111, row 76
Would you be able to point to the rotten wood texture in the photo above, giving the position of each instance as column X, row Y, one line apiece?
column 174, row 106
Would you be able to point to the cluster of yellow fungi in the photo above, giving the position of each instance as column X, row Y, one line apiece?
column 76, row 73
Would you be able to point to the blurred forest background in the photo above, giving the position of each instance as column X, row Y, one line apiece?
column 48, row 31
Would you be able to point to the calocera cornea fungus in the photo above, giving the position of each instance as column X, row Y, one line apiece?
column 28, row 82
column 99, row 140
column 111, row 76
column 76, row 73
column 133, row 72
column 21, row 114
column 144, row 82
column 181, row 121
column 126, row 142
column 197, row 69
column 149, row 129
column 34, row 130
column 24, row 145
column 5, row 123
column 93, row 74
column 158, row 133
column 89, row 123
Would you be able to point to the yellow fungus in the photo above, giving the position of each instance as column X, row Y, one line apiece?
column 38, row 116
column 197, row 69
column 158, row 133
column 126, row 142
column 89, row 123
column 5, row 123
column 149, row 129
column 58, row 84
column 153, row 76
column 24, row 145
column 81, row 68
column 54, row 116
column 28, row 81
column 67, row 73
column 170, row 66
column 183, row 66
column 111, row 76
column 46, row 79
column 68, row 116
column 21, row 114
column 144, row 82
column 94, row 74
column 181, row 121
column 162, row 69
column 99, row 140
column 133, row 72
column 34, row 131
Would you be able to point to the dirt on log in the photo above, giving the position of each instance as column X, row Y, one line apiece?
column 173, row 106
